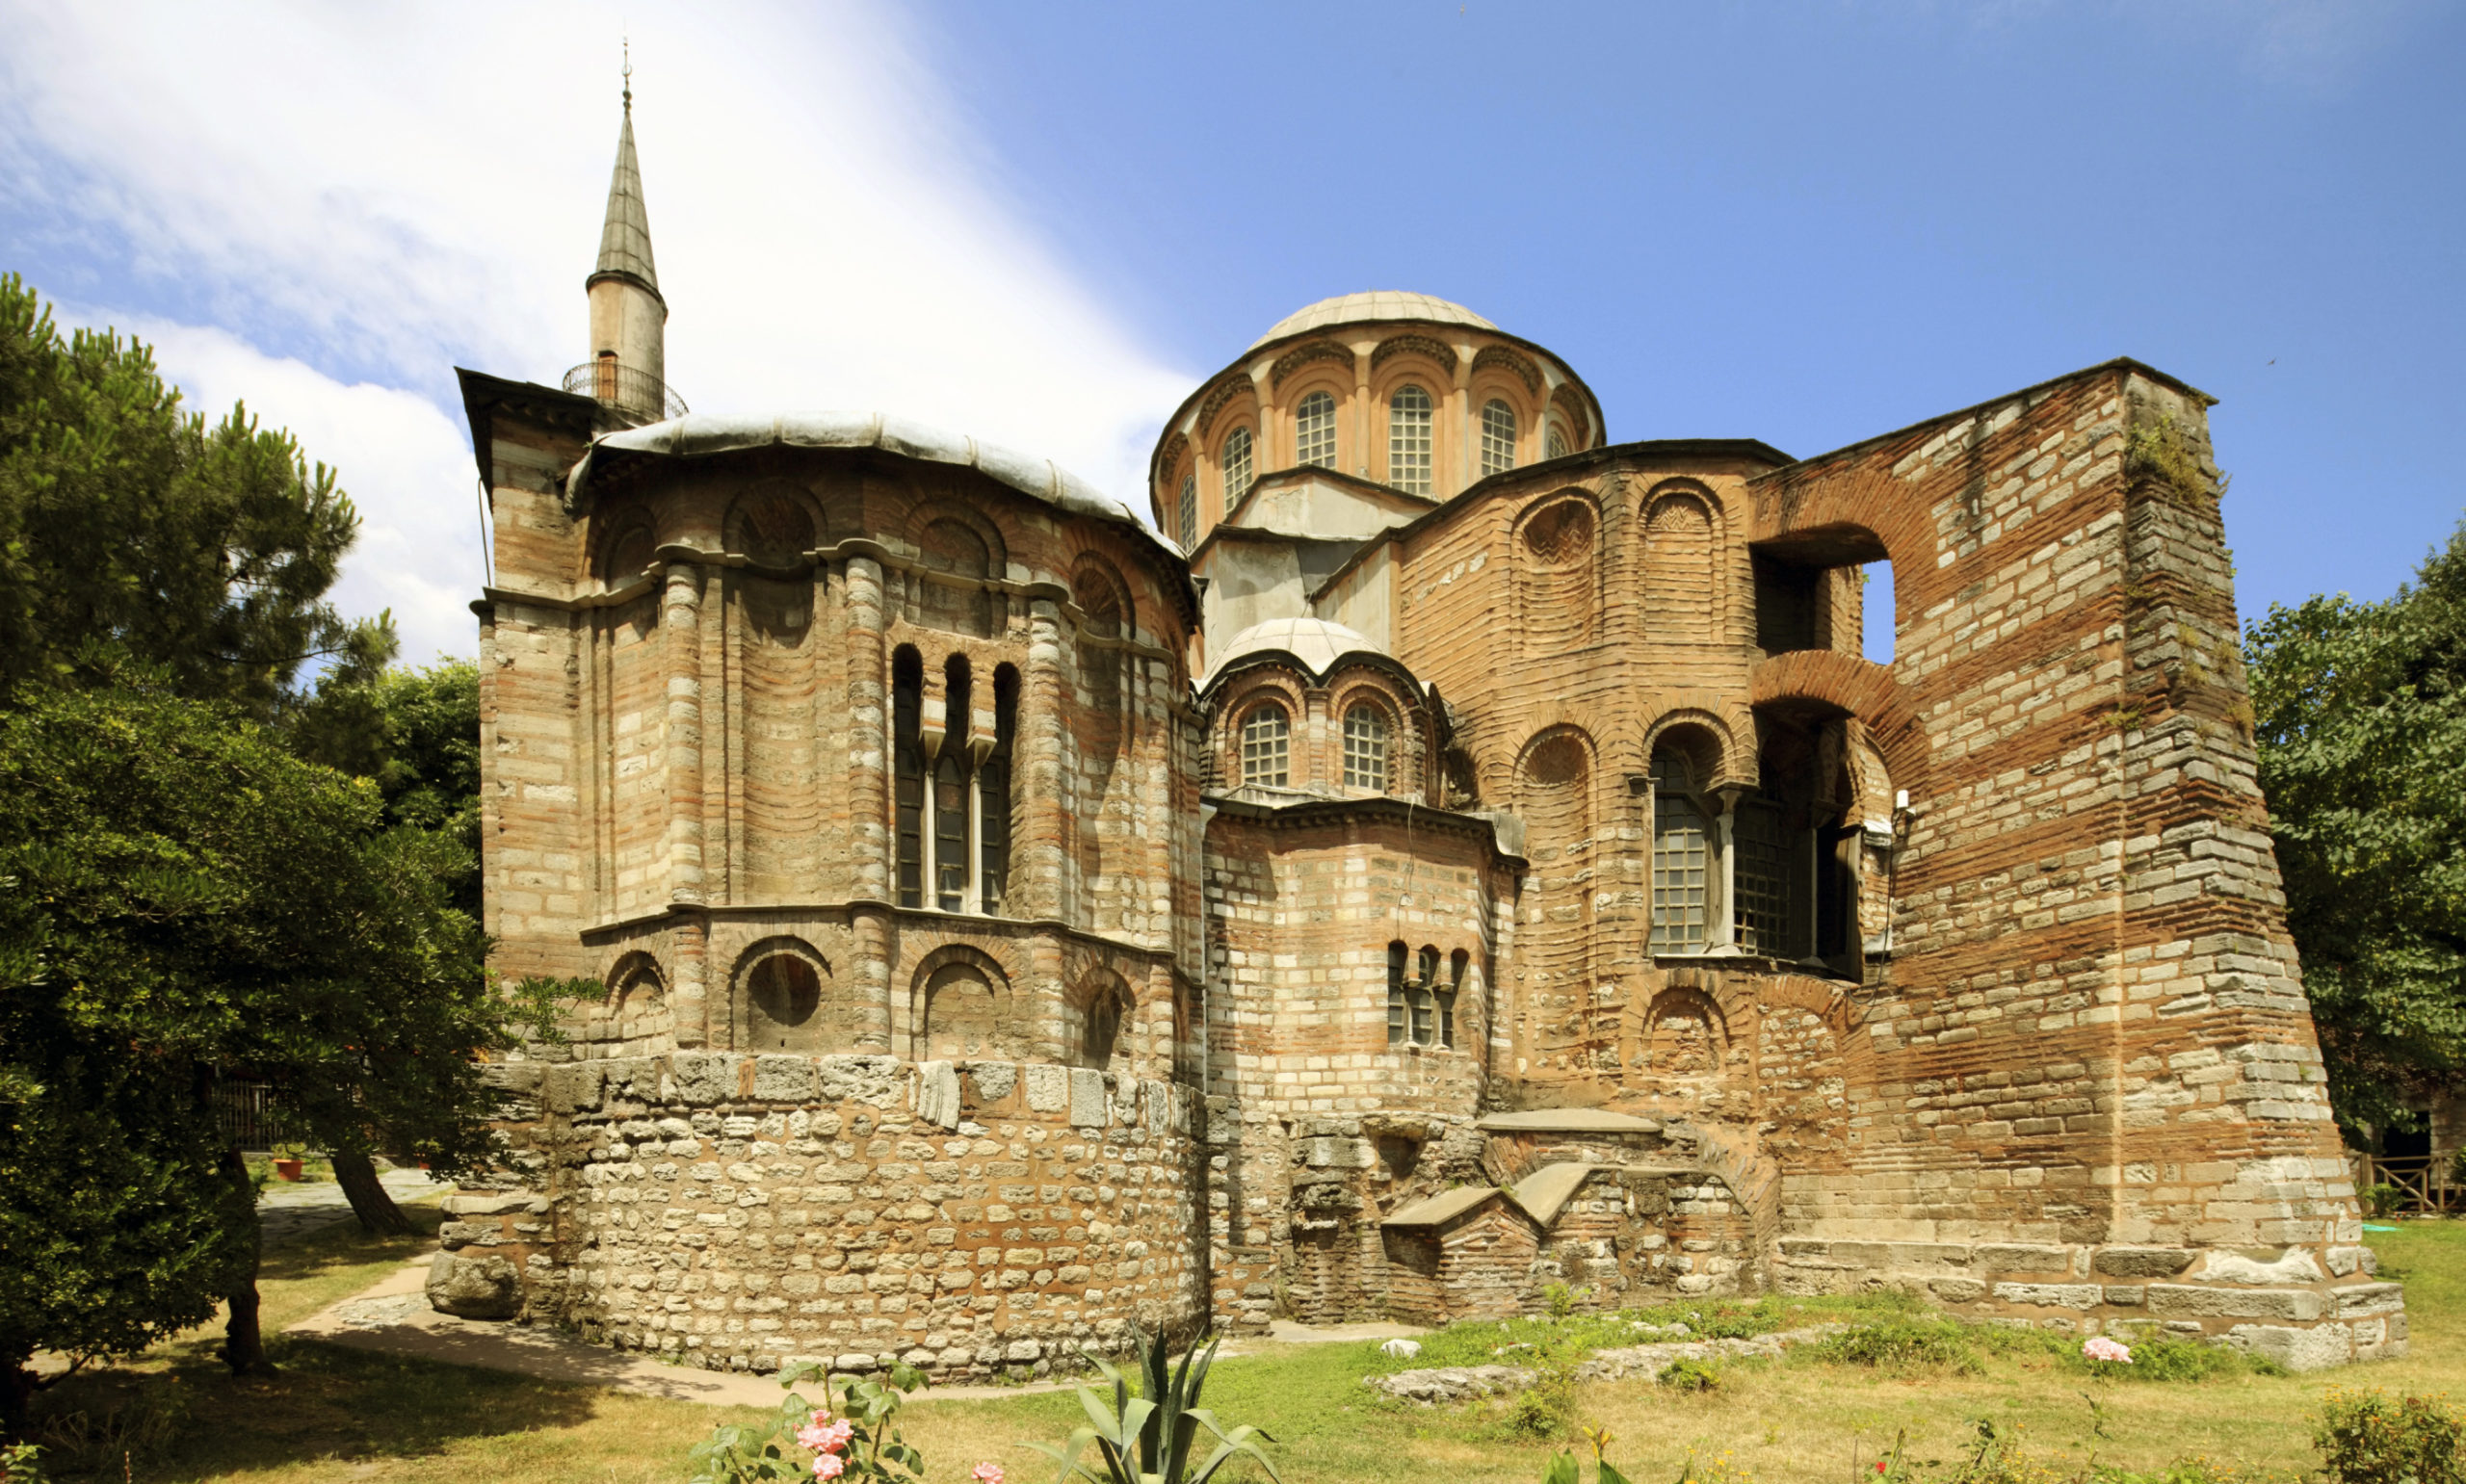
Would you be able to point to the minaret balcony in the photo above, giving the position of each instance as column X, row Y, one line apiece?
column 627, row 389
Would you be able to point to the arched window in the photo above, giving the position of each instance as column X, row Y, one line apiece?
column 1395, row 1007
column 1236, row 464
column 1408, row 417
column 907, row 687
column 1100, row 1026
column 1314, row 432
column 1682, row 858
column 1498, row 437
column 1267, row 736
column 785, row 991
column 1366, row 747
column 1761, row 877
column 1555, row 444
column 993, row 794
column 1190, row 509
column 1421, row 1006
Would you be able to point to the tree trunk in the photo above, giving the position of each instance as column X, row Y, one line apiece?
column 17, row 1396
column 378, row 1214
column 244, row 1345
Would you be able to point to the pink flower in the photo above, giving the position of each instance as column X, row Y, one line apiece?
column 2101, row 1348
column 987, row 1473
column 836, row 1437
column 827, row 1465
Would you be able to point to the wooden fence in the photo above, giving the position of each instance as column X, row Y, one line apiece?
column 2422, row 1185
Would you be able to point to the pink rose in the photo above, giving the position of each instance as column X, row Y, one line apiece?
column 2101, row 1348
column 827, row 1465
column 987, row 1473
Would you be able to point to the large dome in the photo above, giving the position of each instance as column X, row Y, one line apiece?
column 1374, row 304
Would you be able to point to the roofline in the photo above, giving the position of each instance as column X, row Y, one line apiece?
column 1755, row 449
column 482, row 393
column 1267, row 532
column 2119, row 363
column 1592, row 402
column 1315, row 810
column 1252, row 658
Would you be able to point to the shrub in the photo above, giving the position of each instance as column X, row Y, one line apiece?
column 2365, row 1438
column 1152, row 1438
column 1686, row 1375
column 1901, row 1345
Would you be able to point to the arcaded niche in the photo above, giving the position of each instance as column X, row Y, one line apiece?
column 1466, row 862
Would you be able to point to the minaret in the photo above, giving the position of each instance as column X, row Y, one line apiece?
column 628, row 317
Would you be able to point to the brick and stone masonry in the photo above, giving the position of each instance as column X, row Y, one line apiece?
column 1471, row 862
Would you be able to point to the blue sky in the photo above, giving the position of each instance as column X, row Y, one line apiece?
column 1803, row 222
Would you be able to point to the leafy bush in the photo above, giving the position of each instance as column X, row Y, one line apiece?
column 1686, row 1375
column 2365, row 1438
column 1901, row 1346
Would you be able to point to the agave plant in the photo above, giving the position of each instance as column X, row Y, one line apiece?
column 1147, row 1439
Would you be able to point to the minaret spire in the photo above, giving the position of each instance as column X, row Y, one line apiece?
column 628, row 314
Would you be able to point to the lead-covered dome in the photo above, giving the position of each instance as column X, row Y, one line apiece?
column 1316, row 642
column 1372, row 306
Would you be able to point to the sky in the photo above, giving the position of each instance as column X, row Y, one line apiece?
column 1044, row 225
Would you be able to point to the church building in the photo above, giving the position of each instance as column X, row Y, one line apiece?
column 1433, row 858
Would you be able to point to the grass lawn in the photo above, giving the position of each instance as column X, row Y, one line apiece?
column 337, row 1413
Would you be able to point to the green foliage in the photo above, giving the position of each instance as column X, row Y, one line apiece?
column 21, row 1463
column 1686, row 1375
column 873, row 1453
column 2382, row 1199
column 1901, row 1346
column 189, row 897
column 127, row 523
column 2365, row 1438
column 2360, row 717
column 1148, row 1438
column 416, row 732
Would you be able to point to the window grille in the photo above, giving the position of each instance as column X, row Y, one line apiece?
column 1266, row 747
column 908, row 788
column 1395, row 994
column 1498, row 438
column 1409, row 420
column 1424, row 1006
column 1681, row 861
column 1236, row 464
column 1555, row 446
column 1366, row 747
column 1314, row 443
column 1762, row 880
column 1190, row 509
column 950, row 835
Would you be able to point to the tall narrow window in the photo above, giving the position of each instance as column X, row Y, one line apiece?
column 1236, row 464
column 1457, row 963
column 1424, row 1008
column 1266, row 747
column 1408, row 418
column 1681, row 860
column 993, row 795
column 1395, row 994
column 1366, row 747
column 1761, row 875
column 1555, row 446
column 1498, row 437
column 908, row 678
column 1314, row 432
column 1190, row 509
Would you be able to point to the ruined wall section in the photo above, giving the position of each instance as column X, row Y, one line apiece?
column 2093, row 1036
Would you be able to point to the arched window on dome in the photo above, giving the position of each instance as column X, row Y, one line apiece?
column 907, row 687
column 1409, row 420
column 1366, row 747
column 1555, row 444
column 1236, row 464
column 1189, row 508
column 1314, row 432
column 1498, row 437
column 1267, row 744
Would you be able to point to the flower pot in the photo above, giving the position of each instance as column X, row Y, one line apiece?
column 287, row 1169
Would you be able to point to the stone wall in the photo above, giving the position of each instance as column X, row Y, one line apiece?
column 976, row 1221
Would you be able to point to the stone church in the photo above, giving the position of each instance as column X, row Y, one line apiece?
column 1438, row 854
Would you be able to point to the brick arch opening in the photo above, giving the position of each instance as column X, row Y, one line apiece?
column 786, row 998
column 961, row 1008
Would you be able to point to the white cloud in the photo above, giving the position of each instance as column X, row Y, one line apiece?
column 352, row 199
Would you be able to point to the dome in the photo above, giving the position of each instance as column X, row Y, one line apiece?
column 1374, row 305
column 1316, row 642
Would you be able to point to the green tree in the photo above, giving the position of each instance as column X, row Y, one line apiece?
column 206, row 549
column 184, row 896
column 2361, row 718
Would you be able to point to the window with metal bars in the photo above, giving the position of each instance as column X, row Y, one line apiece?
column 1190, row 509
column 1408, row 441
column 1396, row 1014
column 1267, row 739
column 1555, row 444
column 1236, row 464
column 907, row 684
column 1498, row 437
column 1760, row 877
column 1682, row 863
column 993, row 795
column 1366, row 747
column 1314, row 432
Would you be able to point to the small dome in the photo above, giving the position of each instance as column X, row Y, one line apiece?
column 1316, row 643
column 1372, row 306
